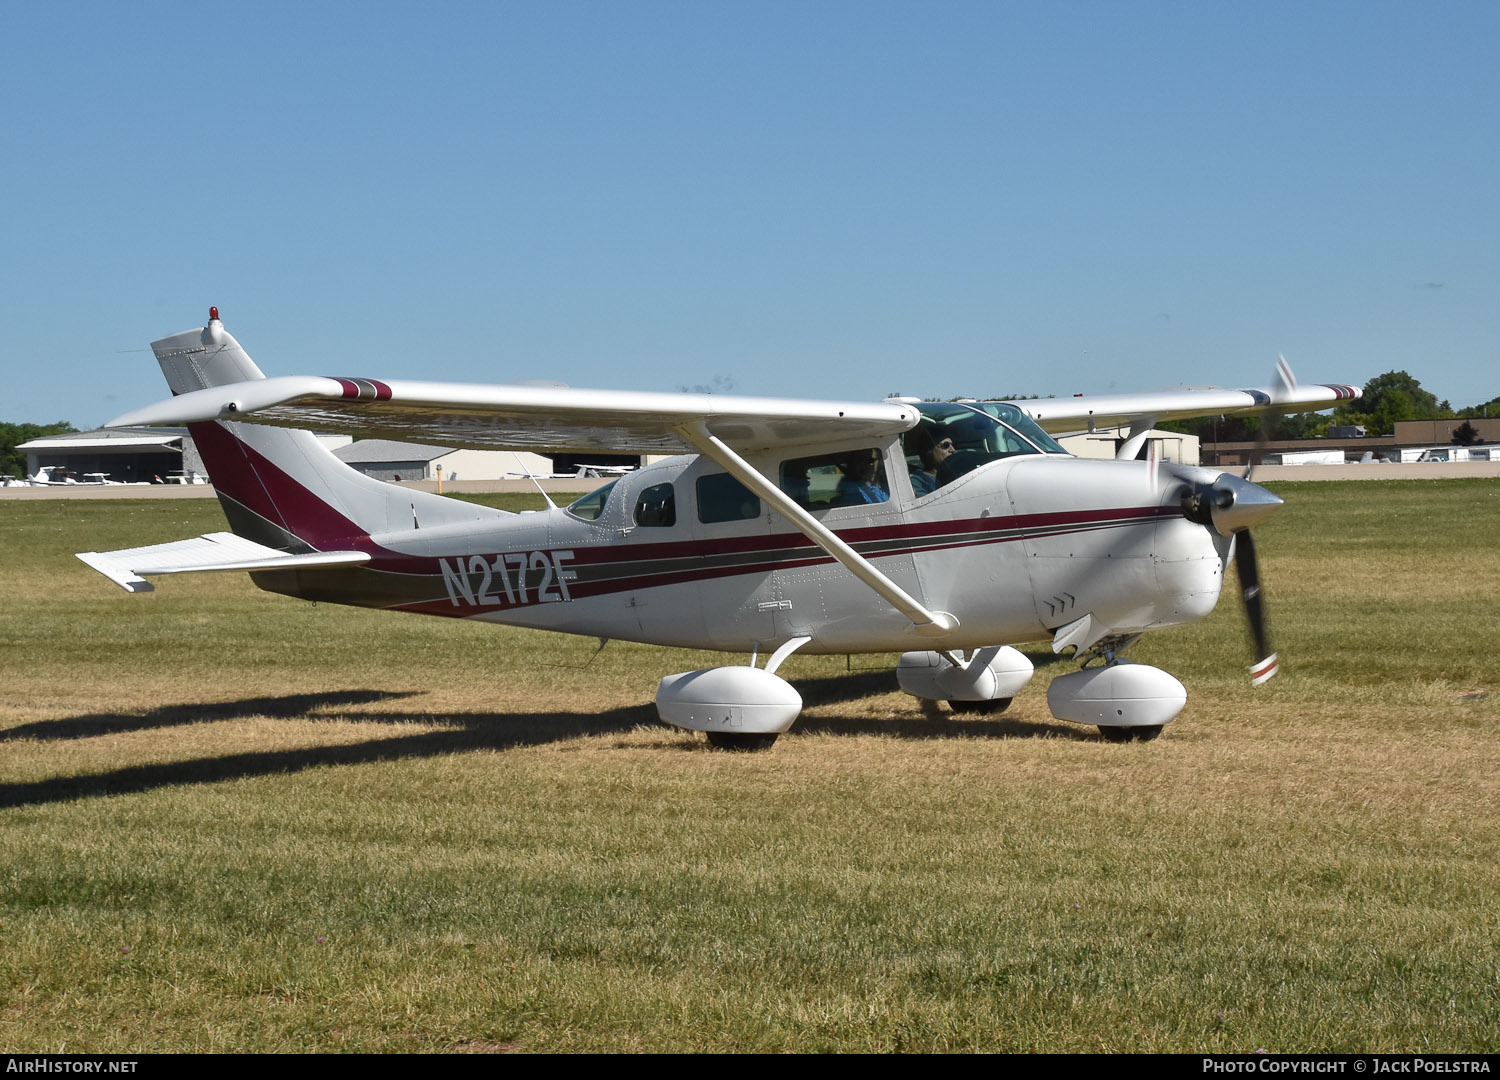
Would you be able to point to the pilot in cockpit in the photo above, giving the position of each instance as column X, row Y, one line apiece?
column 931, row 450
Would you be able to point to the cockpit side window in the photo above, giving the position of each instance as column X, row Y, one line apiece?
column 847, row 478
column 656, row 507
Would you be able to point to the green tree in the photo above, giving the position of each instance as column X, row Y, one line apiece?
column 1484, row 409
column 13, row 461
column 1390, row 398
column 1306, row 425
column 1302, row 425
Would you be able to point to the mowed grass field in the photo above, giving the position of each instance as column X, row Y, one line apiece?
column 236, row 821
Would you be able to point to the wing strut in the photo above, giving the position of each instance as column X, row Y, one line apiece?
column 1140, row 427
column 927, row 623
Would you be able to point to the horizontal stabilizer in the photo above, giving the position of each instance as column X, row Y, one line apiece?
column 129, row 567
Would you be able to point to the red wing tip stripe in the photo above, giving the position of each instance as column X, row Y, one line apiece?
column 363, row 389
column 1344, row 393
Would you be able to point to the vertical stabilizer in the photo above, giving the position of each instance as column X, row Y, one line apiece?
column 284, row 488
column 208, row 356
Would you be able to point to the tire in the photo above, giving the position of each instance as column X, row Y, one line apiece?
column 739, row 740
column 1145, row 733
column 993, row 706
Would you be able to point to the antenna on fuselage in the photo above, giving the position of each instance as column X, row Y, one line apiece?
column 528, row 474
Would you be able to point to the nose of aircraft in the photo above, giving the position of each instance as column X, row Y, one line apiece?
column 1228, row 503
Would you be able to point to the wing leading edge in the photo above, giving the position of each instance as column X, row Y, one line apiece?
column 644, row 422
column 1113, row 410
column 526, row 417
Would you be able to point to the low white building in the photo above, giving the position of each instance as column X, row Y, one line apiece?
column 167, row 455
column 1450, row 453
column 1172, row 446
column 1307, row 457
column 386, row 459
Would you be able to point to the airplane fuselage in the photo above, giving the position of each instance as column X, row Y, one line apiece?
column 672, row 555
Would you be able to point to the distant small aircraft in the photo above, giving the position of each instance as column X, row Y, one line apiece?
column 60, row 476
column 103, row 478
column 53, row 476
column 580, row 472
column 947, row 532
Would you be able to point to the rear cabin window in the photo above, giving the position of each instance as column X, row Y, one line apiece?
column 848, row 478
column 656, row 507
column 723, row 498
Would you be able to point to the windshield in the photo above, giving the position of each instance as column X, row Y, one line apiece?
column 592, row 505
column 954, row 438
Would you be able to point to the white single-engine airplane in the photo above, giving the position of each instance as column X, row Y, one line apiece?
column 945, row 531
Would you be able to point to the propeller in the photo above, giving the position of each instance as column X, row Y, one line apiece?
column 1229, row 505
column 1266, row 664
column 1245, row 566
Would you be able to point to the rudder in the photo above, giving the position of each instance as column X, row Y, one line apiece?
column 208, row 356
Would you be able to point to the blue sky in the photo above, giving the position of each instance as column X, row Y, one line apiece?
column 814, row 199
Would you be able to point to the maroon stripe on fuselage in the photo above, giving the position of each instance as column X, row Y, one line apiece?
column 795, row 551
column 923, row 536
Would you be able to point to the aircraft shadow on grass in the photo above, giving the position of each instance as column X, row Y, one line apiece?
column 465, row 732
column 286, row 707
column 823, row 694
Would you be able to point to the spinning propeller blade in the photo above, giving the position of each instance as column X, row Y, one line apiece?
column 1245, row 565
column 1266, row 664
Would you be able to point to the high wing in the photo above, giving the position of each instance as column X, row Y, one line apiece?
column 644, row 422
column 556, row 418
column 129, row 567
column 526, row 417
column 1116, row 410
